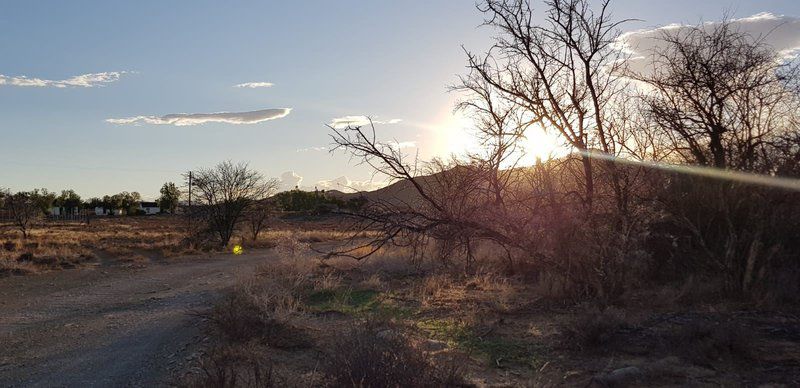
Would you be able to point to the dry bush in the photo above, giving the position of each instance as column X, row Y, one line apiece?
column 11, row 245
column 327, row 280
column 432, row 287
column 742, row 235
column 707, row 343
column 235, row 366
column 373, row 282
column 245, row 314
column 14, row 267
column 290, row 245
column 374, row 355
column 594, row 330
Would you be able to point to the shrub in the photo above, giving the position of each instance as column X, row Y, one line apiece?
column 224, row 367
column 705, row 343
column 375, row 356
column 244, row 316
column 593, row 329
column 10, row 245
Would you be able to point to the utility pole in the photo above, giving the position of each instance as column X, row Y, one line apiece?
column 190, row 202
column 190, row 190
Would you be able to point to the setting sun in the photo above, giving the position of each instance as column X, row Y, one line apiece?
column 456, row 136
column 542, row 145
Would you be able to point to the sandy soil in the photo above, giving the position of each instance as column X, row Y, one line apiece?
column 110, row 325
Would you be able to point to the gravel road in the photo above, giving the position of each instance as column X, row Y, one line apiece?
column 109, row 325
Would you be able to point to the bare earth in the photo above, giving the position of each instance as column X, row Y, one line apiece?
column 109, row 325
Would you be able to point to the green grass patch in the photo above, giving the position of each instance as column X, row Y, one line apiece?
column 357, row 302
column 497, row 350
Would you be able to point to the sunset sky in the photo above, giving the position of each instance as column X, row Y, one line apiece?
column 103, row 96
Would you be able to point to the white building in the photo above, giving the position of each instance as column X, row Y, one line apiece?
column 149, row 208
column 101, row 211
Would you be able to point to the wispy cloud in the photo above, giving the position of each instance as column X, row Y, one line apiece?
column 82, row 81
column 253, row 85
column 358, row 121
column 399, row 145
column 183, row 119
column 779, row 31
column 312, row 149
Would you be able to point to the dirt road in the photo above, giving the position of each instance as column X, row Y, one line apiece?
column 109, row 326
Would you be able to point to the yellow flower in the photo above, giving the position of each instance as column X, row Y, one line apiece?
column 237, row 250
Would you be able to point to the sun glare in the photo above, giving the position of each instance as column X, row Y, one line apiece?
column 455, row 135
column 541, row 145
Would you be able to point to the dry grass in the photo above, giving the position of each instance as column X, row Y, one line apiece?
column 504, row 329
column 132, row 239
column 134, row 242
column 374, row 355
column 264, row 315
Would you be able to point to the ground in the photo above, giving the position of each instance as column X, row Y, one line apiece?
column 170, row 320
column 108, row 325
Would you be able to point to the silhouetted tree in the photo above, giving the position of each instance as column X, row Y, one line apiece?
column 225, row 192
column 170, row 195
column 559, row 74
column 721, row 96
column 261, row 210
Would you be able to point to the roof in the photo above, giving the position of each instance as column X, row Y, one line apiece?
column 149, row 204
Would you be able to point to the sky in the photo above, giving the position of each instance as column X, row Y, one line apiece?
column 110, row 96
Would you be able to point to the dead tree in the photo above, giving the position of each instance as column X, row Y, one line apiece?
column 726, row 100
column 224, row 193
column 562, row 72
column 453, row 205
column 720, row 95
column 260, row 212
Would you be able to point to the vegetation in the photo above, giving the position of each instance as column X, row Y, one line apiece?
column 662, row 250
column 600, row 218
column 225, row 193
column 315, row 202
column 170, row 196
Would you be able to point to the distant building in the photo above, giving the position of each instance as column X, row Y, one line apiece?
column 101, row 211
column 61, row 211
column 149, row 208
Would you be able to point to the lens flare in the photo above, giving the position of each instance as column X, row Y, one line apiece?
column 708, row 172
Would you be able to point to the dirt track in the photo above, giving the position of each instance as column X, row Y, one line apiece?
column 109, row 326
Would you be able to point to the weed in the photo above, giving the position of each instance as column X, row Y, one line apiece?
column 495, row 349
column 379, row 356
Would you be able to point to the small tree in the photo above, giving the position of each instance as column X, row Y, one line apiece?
column 25, row 208
column 170, row 195
column 261, row 210
column 130, row 201
column 69, row 200
column 224, row 194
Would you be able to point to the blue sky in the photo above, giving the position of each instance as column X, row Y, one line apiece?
column 388, row 59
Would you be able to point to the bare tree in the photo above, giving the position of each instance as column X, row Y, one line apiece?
column 720, row 95
column 224, row 193
column 261, row 210
column 451, row 204
column 724, row 99
column 562, row 72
